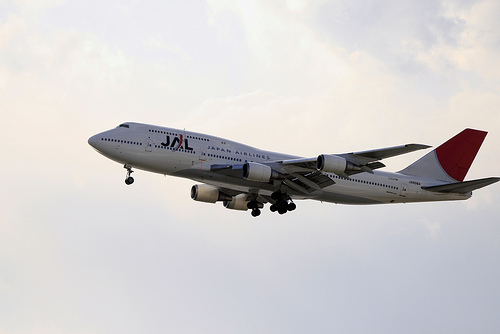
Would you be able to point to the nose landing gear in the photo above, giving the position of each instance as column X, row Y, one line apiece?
column 128, row 179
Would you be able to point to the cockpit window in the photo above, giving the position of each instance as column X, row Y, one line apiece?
column 124, row 126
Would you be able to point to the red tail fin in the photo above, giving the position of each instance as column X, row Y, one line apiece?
column 458, row 153
column 451, row 161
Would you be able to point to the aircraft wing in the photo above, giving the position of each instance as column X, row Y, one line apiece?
column 367, row 160
column 304, row 181
column 228, row 170
column 302, row 175
column 307, row 183
column 365, row 157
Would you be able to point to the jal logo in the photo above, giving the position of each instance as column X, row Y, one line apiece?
column 176, row 143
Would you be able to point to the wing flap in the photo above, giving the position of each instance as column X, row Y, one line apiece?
column 462, row 187
column 308, row 183
column 301, row 181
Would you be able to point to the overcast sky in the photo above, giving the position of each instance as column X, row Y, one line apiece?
column 80, row 252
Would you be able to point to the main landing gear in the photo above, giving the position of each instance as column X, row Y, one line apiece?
column 128, row 179
column 254, row 206
column 283, row 203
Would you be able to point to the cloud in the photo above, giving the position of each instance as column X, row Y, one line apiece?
column 84, row 253
column 434, row 229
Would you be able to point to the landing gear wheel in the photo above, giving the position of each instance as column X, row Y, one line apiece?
column 282, row 211
column 252, row 205
column 128, row 179
column 255, row 212
column 283, row 203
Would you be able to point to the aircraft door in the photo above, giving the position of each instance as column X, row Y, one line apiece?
column 404, row 188
column 149, row 145
column 203, row 154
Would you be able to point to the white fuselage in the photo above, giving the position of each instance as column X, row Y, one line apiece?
column 191, row 155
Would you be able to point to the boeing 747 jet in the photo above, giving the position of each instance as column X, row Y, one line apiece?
column 245, row 178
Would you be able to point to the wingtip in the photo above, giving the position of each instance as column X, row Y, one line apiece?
column 418, row 146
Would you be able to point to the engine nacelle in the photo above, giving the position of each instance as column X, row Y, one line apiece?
column 208, row 194
column 334, row 164
column 253, row 171
column 238, row 202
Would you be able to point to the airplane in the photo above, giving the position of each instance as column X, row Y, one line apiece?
column 245, row 178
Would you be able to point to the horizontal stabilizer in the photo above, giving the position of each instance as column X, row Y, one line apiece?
column 463, row 187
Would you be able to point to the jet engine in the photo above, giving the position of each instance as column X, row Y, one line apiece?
column 334, row 164
column 208, row 194
column 240, row 202
column 253, row 171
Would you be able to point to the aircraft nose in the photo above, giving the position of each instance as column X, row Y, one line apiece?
column 94, row 140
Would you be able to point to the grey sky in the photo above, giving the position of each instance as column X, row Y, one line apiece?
column 80, row 252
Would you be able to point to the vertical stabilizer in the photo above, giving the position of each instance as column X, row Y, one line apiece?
column 451, row 161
